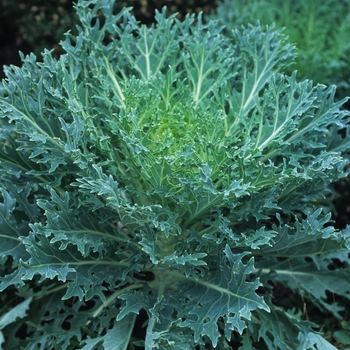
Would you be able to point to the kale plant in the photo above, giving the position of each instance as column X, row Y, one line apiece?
column 159, row 185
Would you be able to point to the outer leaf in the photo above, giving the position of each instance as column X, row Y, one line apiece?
column 118, row 337
column 305, row 238
column 314, row 275
column 19, row 311
column 281, row 330
column 227, row 294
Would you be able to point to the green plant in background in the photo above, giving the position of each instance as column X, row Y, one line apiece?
column 320, row 30
column 158, row 189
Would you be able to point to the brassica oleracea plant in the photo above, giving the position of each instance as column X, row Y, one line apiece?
column 160, row 184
